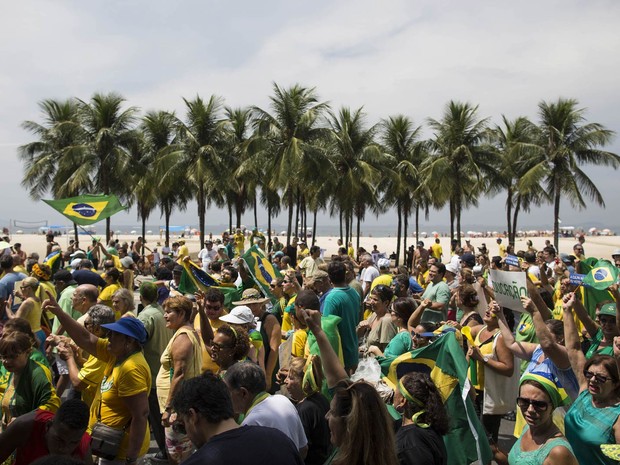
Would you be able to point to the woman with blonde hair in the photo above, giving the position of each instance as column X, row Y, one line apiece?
column 181, row 360
column 30, row 308
column 123, row 303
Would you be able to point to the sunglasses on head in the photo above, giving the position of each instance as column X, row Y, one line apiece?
column 539, row 405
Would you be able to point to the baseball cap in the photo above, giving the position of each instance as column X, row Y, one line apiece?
column 608, row 309
column 469, row 259
column 239, row 315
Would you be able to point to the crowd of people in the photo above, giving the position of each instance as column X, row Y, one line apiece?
column 95, row 364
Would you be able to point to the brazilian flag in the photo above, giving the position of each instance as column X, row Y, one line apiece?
column 600, row 274
column 260, row 269
column 445, row 363
column 53, row 260
column 87, row 209
column 194, row 278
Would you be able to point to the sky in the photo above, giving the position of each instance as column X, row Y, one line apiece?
column 398, row 57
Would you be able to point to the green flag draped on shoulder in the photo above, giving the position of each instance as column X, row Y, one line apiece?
column 445, row 363
column 260, row 269
column 87, row 209
column 194, row 278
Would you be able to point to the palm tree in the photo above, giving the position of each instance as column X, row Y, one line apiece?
column 456, row 171
column 47, row 165
column 108, row 131
column 358, row 163
column 516, row 144
column 288, row 136
column 567, row 143
column 202, row 138
column 401, row 140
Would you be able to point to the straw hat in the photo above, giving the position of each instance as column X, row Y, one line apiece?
column 251, row 296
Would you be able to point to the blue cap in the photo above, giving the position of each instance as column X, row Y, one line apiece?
column 129, row 326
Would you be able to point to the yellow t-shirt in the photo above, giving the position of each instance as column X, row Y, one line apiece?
column 47, row 286
column 126, row 379
column 91, row 374
column 239, row 242
column 105, row 296
column 207, row 361
column 303, row 253
column 423, row 279
column 287, row 321
column 299, row 342
column 183, row 252
column 351, row 252
column 437, row 251
column 502, row 250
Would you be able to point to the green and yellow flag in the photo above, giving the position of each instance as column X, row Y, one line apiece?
column 87, row 209
column 445, row 363
column 261, row 269
column 600, row 274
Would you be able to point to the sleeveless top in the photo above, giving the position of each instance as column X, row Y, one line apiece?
column 534, row 457
column 192, row 369
column 34, row 316
column 563, row 378
column 587, row 427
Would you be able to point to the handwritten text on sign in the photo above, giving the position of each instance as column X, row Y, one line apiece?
column 509, row 286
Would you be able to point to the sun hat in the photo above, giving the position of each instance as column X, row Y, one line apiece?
column 608, row 309
column 615, row 252
column 131, row 327
column 239, row 315
column 251, row 296
column 78, row 254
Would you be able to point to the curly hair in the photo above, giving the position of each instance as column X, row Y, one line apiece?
column 468, row 296
column 422, row 388
column 20, row 325
column 368, row 432
column 239, row 336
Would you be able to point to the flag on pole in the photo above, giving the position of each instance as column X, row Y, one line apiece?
column 445, row 363
column 194, row 278
column 260, row 269
column 602, row 275
column 87, row 209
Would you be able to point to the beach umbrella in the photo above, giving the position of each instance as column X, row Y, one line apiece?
column 592, row 230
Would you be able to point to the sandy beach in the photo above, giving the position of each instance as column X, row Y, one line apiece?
column 595, row 246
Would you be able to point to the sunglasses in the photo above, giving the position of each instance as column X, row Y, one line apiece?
column 599, row 378
column 273, row 286
column 539, row 405
column 217, row 346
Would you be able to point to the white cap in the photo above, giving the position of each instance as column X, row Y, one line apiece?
column 383, row 263
column 452, row 268
column 75, row 263
column 615, row 252
column 239, row 315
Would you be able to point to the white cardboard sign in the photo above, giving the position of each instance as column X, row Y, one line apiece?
column 509, row 286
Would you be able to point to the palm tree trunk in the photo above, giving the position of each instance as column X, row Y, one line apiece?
column 405, row 227
column 167, row 215
column 290, row 217
column 202, row 211
column 143, row 234
column 509, row 216
column 399, row 213
column 269, row 243
column 346, row 227
column 238, row 210
column 458, row 222
column 556, row 217
column 297, row 215
column 107, row 229
column 340, row 217
column 230, row 216
column 255, row 214
column 514, row 221
column 314, row 226
column 359, row 221
column 417, row 224
column 451, row 220
column 75, row 233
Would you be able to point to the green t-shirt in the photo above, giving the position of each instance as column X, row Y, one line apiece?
column 152, row 316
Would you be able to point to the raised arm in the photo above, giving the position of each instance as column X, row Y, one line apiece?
column 573, row 346
column 552, row 349
column 584, row 317
column 416, row 316
column 334, row 370
column 521, row 349
column 545, row 313
column 206, row 331
column 76, row 331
